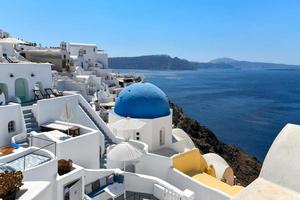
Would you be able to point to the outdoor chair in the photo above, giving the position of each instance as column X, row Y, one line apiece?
column 21, row 139
column 52, row 93
column 38, row 95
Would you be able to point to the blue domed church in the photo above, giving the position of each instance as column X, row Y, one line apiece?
column 142, row 100
column 142, row 112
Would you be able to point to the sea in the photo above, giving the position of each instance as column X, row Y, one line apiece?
column 243, row 107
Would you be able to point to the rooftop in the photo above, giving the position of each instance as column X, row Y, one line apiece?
column 142, row 100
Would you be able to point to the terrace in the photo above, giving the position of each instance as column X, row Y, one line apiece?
column 26, row 159
column 116, row 184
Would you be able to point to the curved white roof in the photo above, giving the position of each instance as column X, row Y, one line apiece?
column 218, row 162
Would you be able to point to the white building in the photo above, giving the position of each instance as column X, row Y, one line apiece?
column 34, row 138
column 87, row 56
column 142, row 113
column 20, row 79
column 154, row 173
column 3, row 34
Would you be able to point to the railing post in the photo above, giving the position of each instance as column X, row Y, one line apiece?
column 24, row 163
column 30, row 140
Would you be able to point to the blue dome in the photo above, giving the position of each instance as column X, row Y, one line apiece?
column 142, row 100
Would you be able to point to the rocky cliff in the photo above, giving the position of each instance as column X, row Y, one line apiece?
column 246, row 168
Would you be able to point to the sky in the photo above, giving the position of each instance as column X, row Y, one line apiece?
column 197, row 30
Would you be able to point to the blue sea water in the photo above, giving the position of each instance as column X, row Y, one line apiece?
column 243, row 107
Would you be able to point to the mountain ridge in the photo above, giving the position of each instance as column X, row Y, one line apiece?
column 162, row 62
column 166, row 62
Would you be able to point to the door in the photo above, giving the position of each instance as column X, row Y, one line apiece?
column 3, row 89
column 73, row 191
column 21, row 89
column 162, row 137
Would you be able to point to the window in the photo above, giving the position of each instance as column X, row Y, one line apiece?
column 11, row 126
column 162, row 137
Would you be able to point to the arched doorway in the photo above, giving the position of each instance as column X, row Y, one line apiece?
column 21, row 89
column 3, row 88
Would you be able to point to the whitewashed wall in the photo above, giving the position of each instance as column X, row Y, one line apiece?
column 42, row 73
column 281, row 165
column 90, row 53
column 158, row 124
column 36, row 173
column 150, row 133
column 76, row 174
column 93, row 174
column 82, row 150
column 152, row 185
column 153, row 165
column 202, row 191
column 49, row 110
column 12, row 112
column 36, row 190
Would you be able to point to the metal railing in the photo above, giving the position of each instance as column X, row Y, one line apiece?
column 21, row 163
column 50, row 144
column 136, row 196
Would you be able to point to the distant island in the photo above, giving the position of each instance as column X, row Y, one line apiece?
column 165, row 62
column 152, row 62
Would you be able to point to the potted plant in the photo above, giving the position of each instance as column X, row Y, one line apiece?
column 10, row 183
column 64, row 166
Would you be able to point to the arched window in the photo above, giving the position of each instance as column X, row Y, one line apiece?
column 162, row 137
column 11, row 126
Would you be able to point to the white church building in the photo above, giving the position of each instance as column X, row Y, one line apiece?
column 142, row 113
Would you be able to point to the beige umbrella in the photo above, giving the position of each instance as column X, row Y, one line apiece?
column 124, row 152
column 67, row 113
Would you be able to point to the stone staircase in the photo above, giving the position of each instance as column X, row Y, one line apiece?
column 107, row 140
column 30, row 121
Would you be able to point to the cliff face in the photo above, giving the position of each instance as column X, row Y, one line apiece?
column 246, row 168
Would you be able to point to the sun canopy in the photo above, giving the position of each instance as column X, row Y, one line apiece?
column 124, row 151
